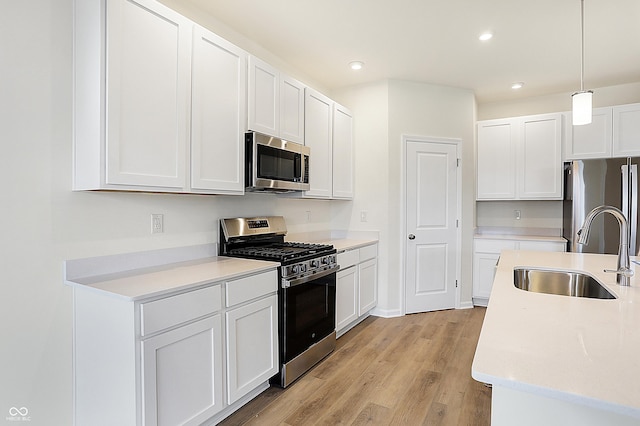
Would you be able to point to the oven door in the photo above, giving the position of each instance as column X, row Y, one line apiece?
column 308, row 311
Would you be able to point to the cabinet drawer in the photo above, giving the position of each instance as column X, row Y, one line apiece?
column 368, row 252
column 542, row 246
column 170, row 311
column 251, row 287
column 494, row 246
column 348, row 258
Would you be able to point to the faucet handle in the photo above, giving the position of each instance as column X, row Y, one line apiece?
column 626, row 272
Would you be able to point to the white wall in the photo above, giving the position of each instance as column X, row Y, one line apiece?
column 401, row 107
column 369, row 105
column 559, row 102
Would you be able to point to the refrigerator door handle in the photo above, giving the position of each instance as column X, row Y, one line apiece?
column 625, row 192
column 633, row 202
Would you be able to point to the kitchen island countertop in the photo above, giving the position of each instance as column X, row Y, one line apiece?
column 579, row 350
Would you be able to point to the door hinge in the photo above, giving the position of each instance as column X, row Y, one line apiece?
column 456, row 283
column 457, row 223
column 458, row 162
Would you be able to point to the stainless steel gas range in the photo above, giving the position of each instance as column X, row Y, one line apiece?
column 306, row 294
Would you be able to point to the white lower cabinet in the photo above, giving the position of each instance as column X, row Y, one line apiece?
column 367, row 286
column 356, row 286
column 346, row 297
column 160, row 361
column 182, row 374
column 486, row 254
column 252, row 346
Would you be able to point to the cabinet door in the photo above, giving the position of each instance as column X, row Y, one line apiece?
column 496, row 178
column 318, row 129
column 252, row 346
column 148, row 94
column 263, row 99
column 346, row 297
column 182, row 374
column 367, row 286
column 291, row 109
column 540, row 157
column 590, row 140
column 626, row 130
column 343, row 161
column 218, row 117
column 484, row 270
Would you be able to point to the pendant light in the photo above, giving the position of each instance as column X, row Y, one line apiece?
column 582, row 100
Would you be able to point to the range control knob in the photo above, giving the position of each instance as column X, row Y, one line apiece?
column 325, row 260
column 315, row 263
column 295, row 269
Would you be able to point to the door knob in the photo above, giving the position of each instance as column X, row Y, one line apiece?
column 412, row 237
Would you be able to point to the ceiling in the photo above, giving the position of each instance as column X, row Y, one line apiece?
column 436, row 41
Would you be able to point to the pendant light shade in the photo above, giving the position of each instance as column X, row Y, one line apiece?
column 582, row 107
column 582, row 100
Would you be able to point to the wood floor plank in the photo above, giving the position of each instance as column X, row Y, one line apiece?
column 373, row 414
column 414, row 369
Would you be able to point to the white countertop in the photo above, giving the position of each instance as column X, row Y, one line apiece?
column 165, row 279
column 342, row 244
column 580, row 350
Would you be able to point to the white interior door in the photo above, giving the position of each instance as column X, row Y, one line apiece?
column 431, row 210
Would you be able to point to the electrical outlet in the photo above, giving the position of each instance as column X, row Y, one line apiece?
column 308, row 215
column 363, row 216
column 518, row 215
column 157, row 223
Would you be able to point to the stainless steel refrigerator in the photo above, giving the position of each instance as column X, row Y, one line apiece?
column 591, row 183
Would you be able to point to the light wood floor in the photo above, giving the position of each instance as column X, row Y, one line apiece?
column 409, row 370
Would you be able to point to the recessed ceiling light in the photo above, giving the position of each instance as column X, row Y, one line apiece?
column 485, row 36
column 517, row 85
column 356, row 65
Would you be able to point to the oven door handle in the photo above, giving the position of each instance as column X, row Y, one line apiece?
column 291, row 283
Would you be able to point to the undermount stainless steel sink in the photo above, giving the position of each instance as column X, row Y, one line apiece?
column 564, row 283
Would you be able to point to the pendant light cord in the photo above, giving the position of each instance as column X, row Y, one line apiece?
column 582, row 44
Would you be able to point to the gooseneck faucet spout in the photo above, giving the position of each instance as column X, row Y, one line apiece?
column 624, row 272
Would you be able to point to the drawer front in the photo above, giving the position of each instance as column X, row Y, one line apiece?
column 368, row 252
column 494, row 246
column 244, row 289
column 348, row 258
column 542, row 246
column 174, row 310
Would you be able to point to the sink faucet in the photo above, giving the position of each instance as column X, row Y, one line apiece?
column 624, row 272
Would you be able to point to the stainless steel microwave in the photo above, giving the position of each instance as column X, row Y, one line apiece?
column 275, row 165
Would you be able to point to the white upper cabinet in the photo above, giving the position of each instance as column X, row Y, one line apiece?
column 148, row 93
column 343, row 158
column 614, row 132
column 133, row 127
column 264, row 98
column 496, row 160
column 520, row 158
column 626, row 130
column 291, row 109
column 319, row 137
column 275, row 102
column 218, row 114
column 540, row 172
column 590, row 140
